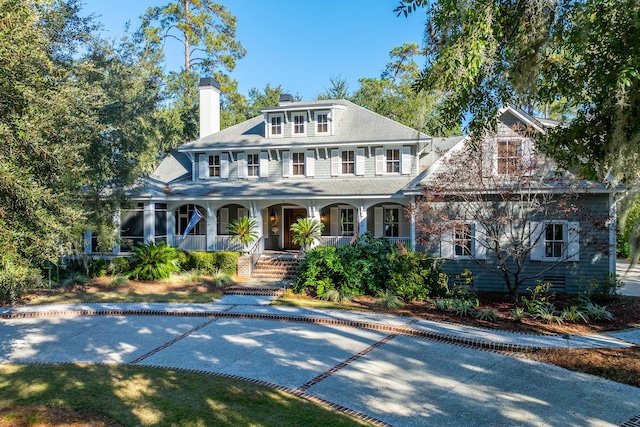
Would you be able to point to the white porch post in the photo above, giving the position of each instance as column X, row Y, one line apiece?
column 314, row 212
column 412, row 224
column 149, row 222
column 171, row 224
column 212, row 226
column 256, row 213
column 116, row 221
column 362, row 218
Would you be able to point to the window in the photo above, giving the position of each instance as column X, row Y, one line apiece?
column 462, row 239
column 323, row 123
column 276, row 125
column 253, row 164
column 393, row 160
column 347, row 221
column 132, row 227
column 298, row 163
column 508, row 156
column 391, row 222
column 298, row 124
column 554, row 240
column 348, row 162
column 214, row 166
column 161, row 222
column 184, row 214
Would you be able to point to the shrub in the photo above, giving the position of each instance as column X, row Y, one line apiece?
column 443, row 304
column 574, row 315
column 320, row 271
column 154, row 261
column 517, row 314
column 74, row 278
column 97, row 267
column 221, row 278
column 541, row 297
column 336, row 295
column 210, row 262
column 488, row 314
column 412, row 275
column 605, row 288
column 388, row 299
column 16, row 279
column 464, row 308
column 119, row 265
column 597, row 312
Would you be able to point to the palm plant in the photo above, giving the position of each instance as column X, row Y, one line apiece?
column 306, row 231
column 154, row 261
column 243, row 230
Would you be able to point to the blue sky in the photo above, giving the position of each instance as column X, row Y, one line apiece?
column 297, row 44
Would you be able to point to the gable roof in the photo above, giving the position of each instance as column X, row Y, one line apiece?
column 354, row 125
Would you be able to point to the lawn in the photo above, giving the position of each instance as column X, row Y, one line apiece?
column 124, row 395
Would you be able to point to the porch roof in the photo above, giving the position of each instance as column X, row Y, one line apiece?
column 254, row 189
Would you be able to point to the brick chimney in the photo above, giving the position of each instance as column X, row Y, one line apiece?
column 209, row 106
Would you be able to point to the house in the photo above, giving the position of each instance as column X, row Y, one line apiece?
column 348, row 167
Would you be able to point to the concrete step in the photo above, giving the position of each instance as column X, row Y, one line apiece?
column 261, row 291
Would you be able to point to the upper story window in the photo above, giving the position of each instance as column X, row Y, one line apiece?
column 299, row 124
column 348, row 162
column 298, row 163
column 276, row 125
column 462, row 239
column 393, row 160
column 253, row 164
column 509, row 156
column 214, row 166
column 322, row 123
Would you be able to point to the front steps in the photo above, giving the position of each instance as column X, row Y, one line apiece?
column 277, row 268
column 253, row 291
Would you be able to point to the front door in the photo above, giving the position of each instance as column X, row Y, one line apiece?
column 290, row 217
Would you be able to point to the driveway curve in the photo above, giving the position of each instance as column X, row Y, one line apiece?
column 373, row 365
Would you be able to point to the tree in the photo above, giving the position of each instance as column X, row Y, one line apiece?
column 243, row 230
column 499, row 221
column 306, row 231
column 393, row 96
column 339, row 89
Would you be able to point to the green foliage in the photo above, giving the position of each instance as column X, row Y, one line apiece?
column 547, row 314
column 488, row 314
column 464, row 307
column 221, row 278
column 338, row 295
column 628, row 229
column 443, row 304
column 74, row 278
column 243, row 230
column 119, row 266
column 541, row 299
column 306, row 231
column 412, row 275
column 153, row 261
column 98, row 267
column 16, row 279
column 517, row 314
column 388, row 299
column 604, row 289
column 573, row 314
column 597, row 312
column 321, row 270
column 118, row 281
column 210, row 262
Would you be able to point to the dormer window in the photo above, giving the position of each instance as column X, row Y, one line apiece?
column 509, row 156
column 214, row 166
column 276, row 125
column 299, row 124
column 322, row 121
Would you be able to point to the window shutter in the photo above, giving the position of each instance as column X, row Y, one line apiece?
column 242, row 165
column 224, row 220
column 264, row 164
column 573, row 241
column 310, row 163
column 536, row 230
column 242, row 212
column 405, row 167
column 287, row 164
column 380, row 161
column 446, row 243
column 489, row 157
column 335, row 221
column 527, row 153
column 359, row 161
column 479, row 241
column 335, row 162
column 379, row 221
column 203, row 166
column 224, row 165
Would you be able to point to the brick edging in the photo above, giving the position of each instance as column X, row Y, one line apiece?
column 380, row 327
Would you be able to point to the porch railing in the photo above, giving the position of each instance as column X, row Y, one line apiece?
column 256, row 250
column 191, row 243
column 346, row 240
column 225, row 243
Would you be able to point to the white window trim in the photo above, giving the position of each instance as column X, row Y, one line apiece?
column 293, row 124
column 319, row 113
column 525, row 152
column 204, row 166
column 478, row 242
column 259, row 164
column 270, row 128
column 571, row 240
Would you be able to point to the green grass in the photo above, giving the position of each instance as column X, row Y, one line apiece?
column 96, row 297
column 290, row 299
column 141, row 396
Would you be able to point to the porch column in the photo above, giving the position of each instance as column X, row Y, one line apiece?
column 171, row 224
column 362, row 220
column 314, row 212
column 412, row 224
column 150, row 222
column 256, row 213
column 212, row 226
column 88, row 238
